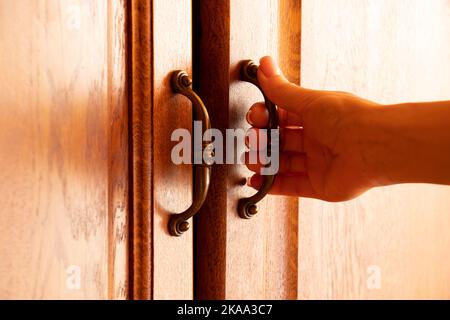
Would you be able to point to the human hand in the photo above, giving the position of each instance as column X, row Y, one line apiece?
column 321, row 152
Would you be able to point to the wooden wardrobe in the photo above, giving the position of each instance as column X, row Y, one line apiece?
column 87, row 185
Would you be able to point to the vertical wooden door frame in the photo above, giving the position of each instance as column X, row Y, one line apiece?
column 211, row 69
column 140, row 70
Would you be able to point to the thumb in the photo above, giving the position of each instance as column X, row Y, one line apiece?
column 279, row 90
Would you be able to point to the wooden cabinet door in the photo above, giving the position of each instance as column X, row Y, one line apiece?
column 392, row 242
column 161, row 42
column 389, row 243
column 238, row 258
column 87, row 184
column 63, row 150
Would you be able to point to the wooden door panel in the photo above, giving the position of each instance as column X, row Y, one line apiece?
column 63, row 146
column 236, row 258
column 86, row 99
column 270, row 238
column 388, row 51
column 161, row 42
column 173, row 256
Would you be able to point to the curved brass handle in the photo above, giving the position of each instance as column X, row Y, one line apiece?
column 181, row 83
column 247, row 207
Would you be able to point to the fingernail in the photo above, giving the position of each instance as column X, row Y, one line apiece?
column 268, row 67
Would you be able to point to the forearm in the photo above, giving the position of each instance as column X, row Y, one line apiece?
column 407, row 143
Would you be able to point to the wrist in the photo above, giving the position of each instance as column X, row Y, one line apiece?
column 375, row 143
column 406, row 143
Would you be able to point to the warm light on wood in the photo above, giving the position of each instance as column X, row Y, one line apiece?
column 388, row 51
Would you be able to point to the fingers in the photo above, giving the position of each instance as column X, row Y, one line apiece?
column 287, row 185
column 258, row 117
column 291, row 139
column 293, row 163
column 280, row 91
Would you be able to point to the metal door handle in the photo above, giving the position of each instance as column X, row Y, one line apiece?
column 178, row 224
column 247, row 207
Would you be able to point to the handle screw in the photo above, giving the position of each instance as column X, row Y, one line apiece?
column 186, row 81
column 253, row 70
column 183, row 226
column 252, row 209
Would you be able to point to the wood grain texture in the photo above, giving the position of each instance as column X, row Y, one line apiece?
column 118, row 185
column 162, row 264
column 172, row 184
column 388, row 51
column 63, row 146
column 211, row 68
column 141, row 97
column 236, row 258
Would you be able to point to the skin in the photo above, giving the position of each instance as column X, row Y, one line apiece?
column 335, row 145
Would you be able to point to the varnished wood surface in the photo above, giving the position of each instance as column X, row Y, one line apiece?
column 236, row 258
column 63, row 146
column 119, row 178
column 388, row 51
column 162, row 264
column 141, row 67
column 211, row 54
column 172, row 184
